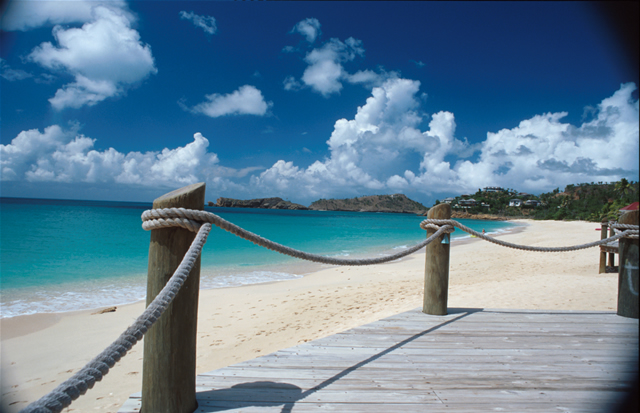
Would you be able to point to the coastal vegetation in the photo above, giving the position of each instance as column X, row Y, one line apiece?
column 586, row 201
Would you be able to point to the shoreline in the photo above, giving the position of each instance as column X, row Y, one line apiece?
column 211, row 277
column 241, row 323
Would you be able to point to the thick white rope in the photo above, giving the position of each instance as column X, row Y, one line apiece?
column 162, row 218
column 188, row 218
column 630, row 232
column 85, row 378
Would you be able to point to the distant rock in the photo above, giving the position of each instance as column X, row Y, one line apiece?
column 375, row 203
column 265, row 203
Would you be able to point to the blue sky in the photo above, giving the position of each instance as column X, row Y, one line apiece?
column 115, row 100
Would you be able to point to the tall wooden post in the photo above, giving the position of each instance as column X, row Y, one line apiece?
column 436, row 272
column 169, row 364
column 612, row 255
column 628, row 286
column 603, row 255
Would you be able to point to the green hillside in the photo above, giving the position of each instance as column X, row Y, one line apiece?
column 587, row 201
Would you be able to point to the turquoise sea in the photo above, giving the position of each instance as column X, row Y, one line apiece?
column 58, row 255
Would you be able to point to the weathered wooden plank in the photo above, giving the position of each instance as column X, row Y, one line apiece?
column 404, row 408
column 253, row 392
column 530, row 396
column 407, row 375
column 523, row 342
column 329, row 359
column 414, row 382
column 328, row 351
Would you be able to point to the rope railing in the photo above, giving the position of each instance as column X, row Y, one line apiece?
column 170, row 217
column 630, row 231
column 191, row 219
column 200, row 222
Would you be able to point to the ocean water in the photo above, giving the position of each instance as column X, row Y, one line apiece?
column 58, row 255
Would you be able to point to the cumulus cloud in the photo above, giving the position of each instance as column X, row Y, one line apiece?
column 371, row 152
column 365, row 151
column 64, row 155
column 30, row 14
column 247, row 100
column 325, row 72
column 325, row 65
column 105, row 56
column 544, row 152
column 206, row 23
column 309, row 28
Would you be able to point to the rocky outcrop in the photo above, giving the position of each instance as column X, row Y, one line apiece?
column 265, row 203
column 374, row 203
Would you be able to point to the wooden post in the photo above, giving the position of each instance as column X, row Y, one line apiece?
column 612, row 255
column 603, row 255
column 436, row 272
column 169, row 364
column 628, row 285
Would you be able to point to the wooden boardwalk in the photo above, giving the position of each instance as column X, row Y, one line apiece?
column 471, row 360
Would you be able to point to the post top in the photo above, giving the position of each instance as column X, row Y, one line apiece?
column 629, row 218
column 190, row 196
column 440, row 211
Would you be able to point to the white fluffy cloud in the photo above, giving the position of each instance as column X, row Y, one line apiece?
column 325, row 72
column 206, row 23
column 371, row 152
column 59, row 155
column 367, row 151
column 309, row 28
column 247, row 100
column 25, row 15
column 544, row 152
column 105, row 55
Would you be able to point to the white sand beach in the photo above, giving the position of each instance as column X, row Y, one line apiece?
column 236, row 324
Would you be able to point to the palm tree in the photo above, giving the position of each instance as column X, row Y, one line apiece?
column 623, row 187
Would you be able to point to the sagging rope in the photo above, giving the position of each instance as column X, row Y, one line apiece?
column 191, row 219
column 631, row 231
column 85, row 378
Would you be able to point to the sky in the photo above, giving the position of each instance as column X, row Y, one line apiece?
column 117, row 100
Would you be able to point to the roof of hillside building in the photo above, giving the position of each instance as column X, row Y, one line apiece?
column 631, row 207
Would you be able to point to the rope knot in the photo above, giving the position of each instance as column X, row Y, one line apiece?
column 173, row 217
column 437, row 224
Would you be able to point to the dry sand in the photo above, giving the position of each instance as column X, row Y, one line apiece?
column 236, row 324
